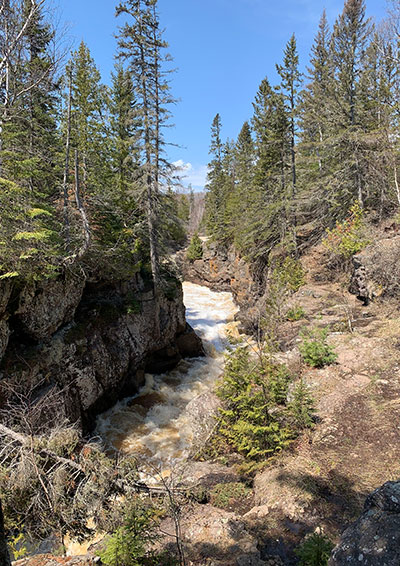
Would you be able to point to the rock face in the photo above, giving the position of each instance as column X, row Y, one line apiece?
column 376, row 270
column 227, row 271
column 374, row 540
column 90, row 342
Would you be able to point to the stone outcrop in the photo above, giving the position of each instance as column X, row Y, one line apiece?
column 376, row 270
column 90, row 342
column 374, row 540
column 227, row 271
column 44, row 306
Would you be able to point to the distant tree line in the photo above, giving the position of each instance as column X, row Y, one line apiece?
column 315, row 144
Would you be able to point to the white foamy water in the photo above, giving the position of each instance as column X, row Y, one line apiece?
column 154, row 424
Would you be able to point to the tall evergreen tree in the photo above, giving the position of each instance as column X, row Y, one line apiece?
column 142, row 47
column 315, row 106
column 290, row 83
column 272, row 142
column 245, row 158
column 124, row 125
column 349, row 39
column 215, row 199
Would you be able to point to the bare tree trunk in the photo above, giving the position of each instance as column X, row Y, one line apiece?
column 82, row 212
column 4, row 556
column 66, row 168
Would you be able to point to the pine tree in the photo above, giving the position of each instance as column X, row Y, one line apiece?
column 244, row 169
column 142, row 47
column 215, row 199
column 315, row 98
column 290, row 83
column 124, row 125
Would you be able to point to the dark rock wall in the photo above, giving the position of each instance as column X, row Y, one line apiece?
column 91, row 342
column 227, row 271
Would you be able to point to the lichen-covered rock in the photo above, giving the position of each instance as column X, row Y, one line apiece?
column 44, row 306
column 376, row 270
column 374, row 540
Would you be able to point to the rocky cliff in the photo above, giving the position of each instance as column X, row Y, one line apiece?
column 226, row 270
column 89, row 342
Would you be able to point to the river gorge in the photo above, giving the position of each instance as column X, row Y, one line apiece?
column 156, row 424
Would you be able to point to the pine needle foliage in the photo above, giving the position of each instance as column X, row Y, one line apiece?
column 256, row 417
column 195, row 249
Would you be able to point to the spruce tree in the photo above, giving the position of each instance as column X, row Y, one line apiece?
column 349, row 40
column 124, row 125
column 290, row 83
column 315, row 99
column 142, row 47
column 215, row 199
column 348, row 44
column 244, row 170
column 271, row 128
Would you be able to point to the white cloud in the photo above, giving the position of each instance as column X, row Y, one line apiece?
column 196, row 175
column 182, row 166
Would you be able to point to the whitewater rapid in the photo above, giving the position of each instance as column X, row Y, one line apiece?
column 154, row 425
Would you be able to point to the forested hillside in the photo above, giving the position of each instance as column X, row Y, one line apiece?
column 316, row 144
column 83, row 168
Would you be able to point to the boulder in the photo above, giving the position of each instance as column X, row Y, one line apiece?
column 201, row 412
column 376, row 270
column 189, row 344
column 374, row 539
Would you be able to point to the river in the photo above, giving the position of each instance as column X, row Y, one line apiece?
column 154, row 425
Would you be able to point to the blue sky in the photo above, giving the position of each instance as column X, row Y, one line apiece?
column 222, row 49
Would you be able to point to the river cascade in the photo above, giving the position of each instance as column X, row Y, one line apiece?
column 154, row 425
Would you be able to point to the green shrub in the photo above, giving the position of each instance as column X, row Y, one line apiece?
column 301, row 407
column 286, row 277
column 315, row 350
column 295, row 313
column 195, row 249
column 347, row 239
column 224, row 495
column 315, row 550
column 129, row 544
column 288, row 274
column 250, row 392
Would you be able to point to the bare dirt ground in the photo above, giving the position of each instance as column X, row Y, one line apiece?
column 323, row 480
